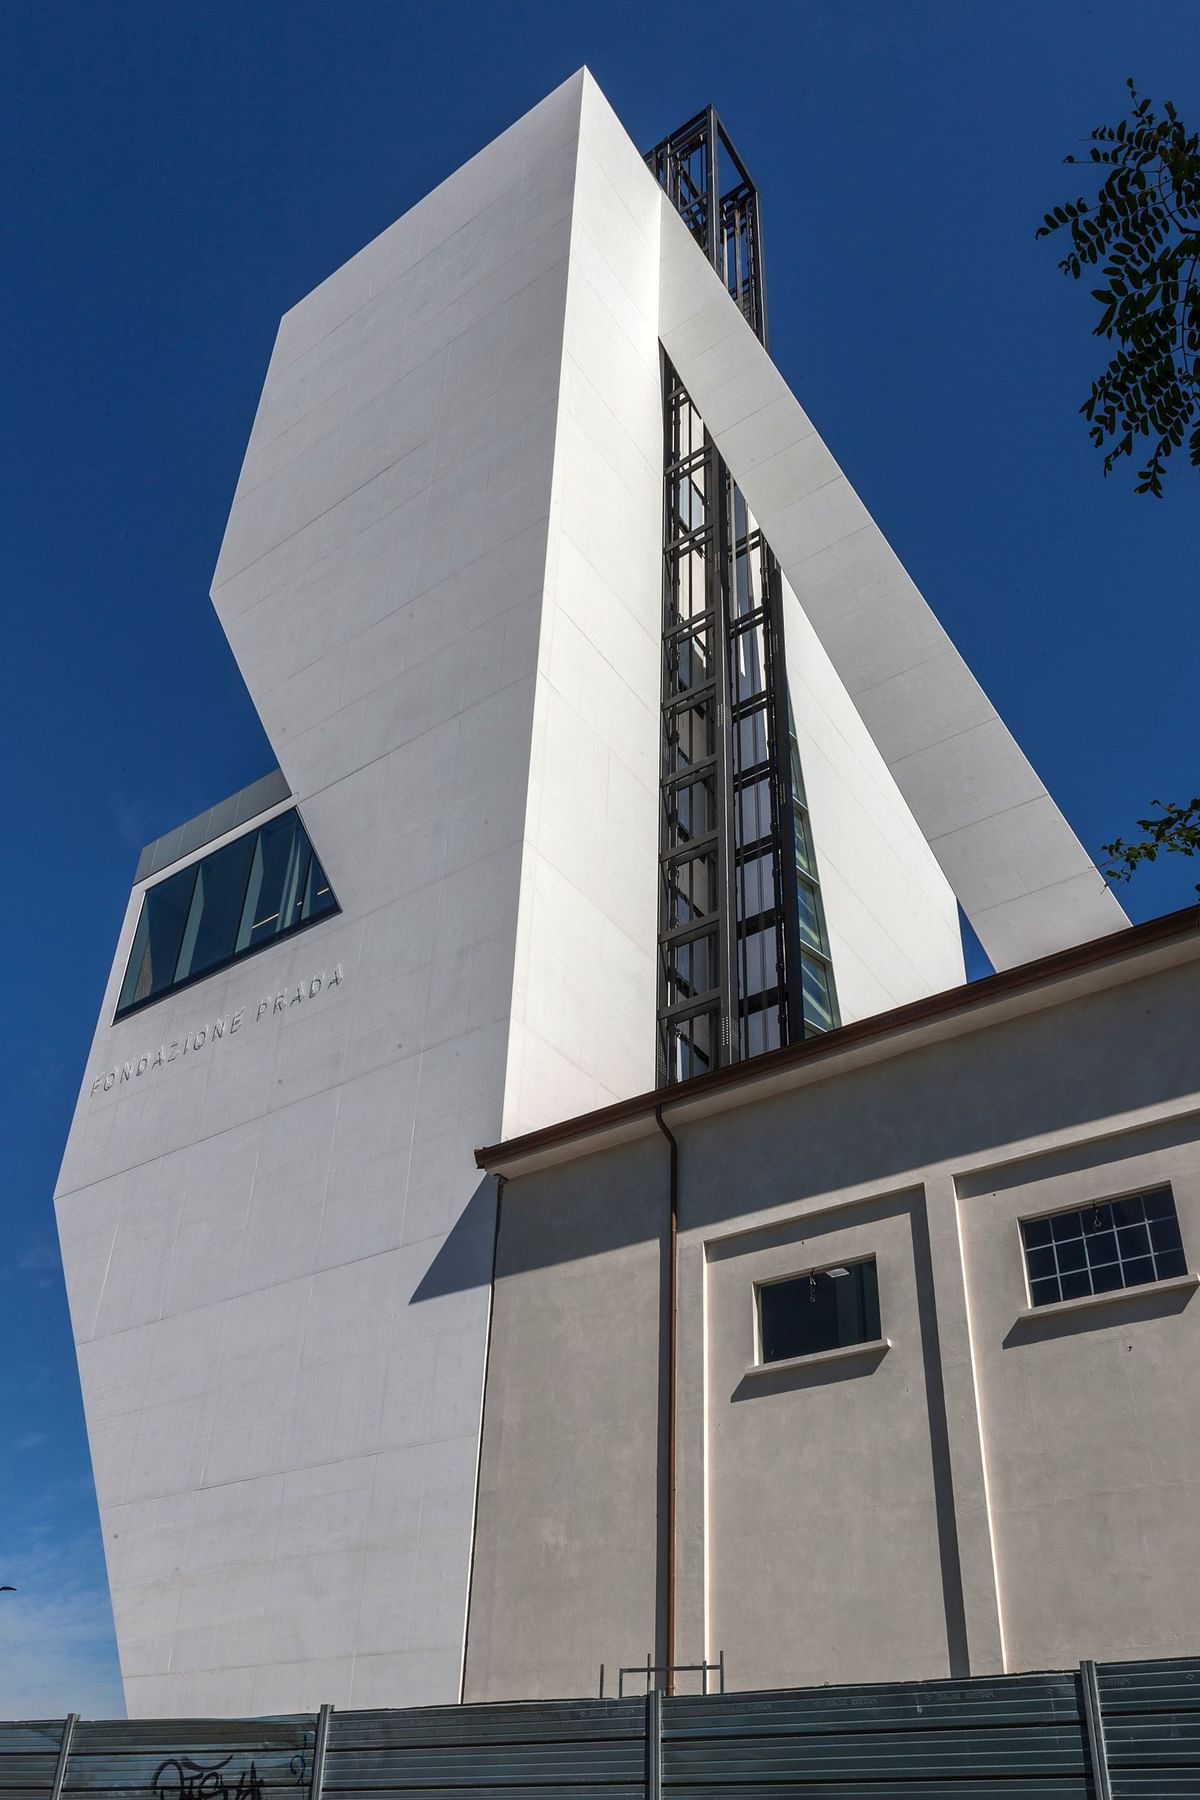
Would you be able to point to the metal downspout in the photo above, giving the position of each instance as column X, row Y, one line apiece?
column 672, row 1386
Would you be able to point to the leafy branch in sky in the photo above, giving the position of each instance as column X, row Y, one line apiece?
column 1177, row 828
column 1144, row 226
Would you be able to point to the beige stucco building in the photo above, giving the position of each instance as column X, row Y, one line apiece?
column 984, row 1483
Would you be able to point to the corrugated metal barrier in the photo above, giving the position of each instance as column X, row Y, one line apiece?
column 1113, row 1731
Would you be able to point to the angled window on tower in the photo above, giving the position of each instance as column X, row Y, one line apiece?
column 236, row 900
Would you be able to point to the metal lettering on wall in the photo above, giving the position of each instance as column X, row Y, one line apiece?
column 227, row 1025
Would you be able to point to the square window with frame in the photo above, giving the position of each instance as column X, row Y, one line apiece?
column 1102, row 1248
column 832, row 1308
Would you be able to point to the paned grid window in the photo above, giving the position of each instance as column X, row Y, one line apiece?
column 1101, row 1248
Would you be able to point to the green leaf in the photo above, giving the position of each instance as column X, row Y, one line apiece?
column 1144, row 224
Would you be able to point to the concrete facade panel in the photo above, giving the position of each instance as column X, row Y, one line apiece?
column 592, row 807
column 890, row 913
column 829, row 1529
column 1089, row 1416
column 578, row 1290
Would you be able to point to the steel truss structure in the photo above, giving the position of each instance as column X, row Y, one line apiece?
column 743, row 955
column 727, row 226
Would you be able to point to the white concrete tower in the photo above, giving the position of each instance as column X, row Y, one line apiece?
column 443, row 582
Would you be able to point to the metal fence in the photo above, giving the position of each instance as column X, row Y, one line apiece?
column 1113, row 1731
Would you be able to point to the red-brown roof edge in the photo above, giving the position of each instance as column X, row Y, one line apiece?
column 1008, row 981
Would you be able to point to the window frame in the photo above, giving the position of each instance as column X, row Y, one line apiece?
column 172, row 871
column 861, row 1347
column 1038, row 1309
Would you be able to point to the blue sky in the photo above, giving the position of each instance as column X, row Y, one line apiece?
column 175, row 175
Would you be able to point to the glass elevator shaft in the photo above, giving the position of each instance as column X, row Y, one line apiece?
column 743, row 955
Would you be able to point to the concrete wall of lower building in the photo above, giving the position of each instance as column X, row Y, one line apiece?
column 574, row 1424
column 1093, row 1454
column 990, row 1491
column 822, row 1482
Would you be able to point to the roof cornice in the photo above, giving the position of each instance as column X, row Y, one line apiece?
column 1049, row 980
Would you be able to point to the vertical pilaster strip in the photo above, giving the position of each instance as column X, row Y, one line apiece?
column 1093, row 1718
column 319, row 1750
column 64, row 1752
column 654, row 1744
column 946, row 1229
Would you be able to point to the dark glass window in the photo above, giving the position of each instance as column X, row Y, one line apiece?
column 157, row 940
column 750, row 739
column 810, row 918
column 759, row 955
column 1113, row 1244
column 216, row 909
column 754, row 811
column 686, row 498
column 818, row 999
column 804, row 855
column 691, row 888
column 756, row 885
column 689, row 660
column 690, row 1045
column 748, row 659
column 687, row 593
column 691, row 809
column 691, row 968
column 826, row 1309
column 759, row 1027
column 691, row 735
column 238, row 899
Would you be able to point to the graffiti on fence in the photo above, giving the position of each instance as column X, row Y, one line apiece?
column 299, row 1762
column 179, row 1778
